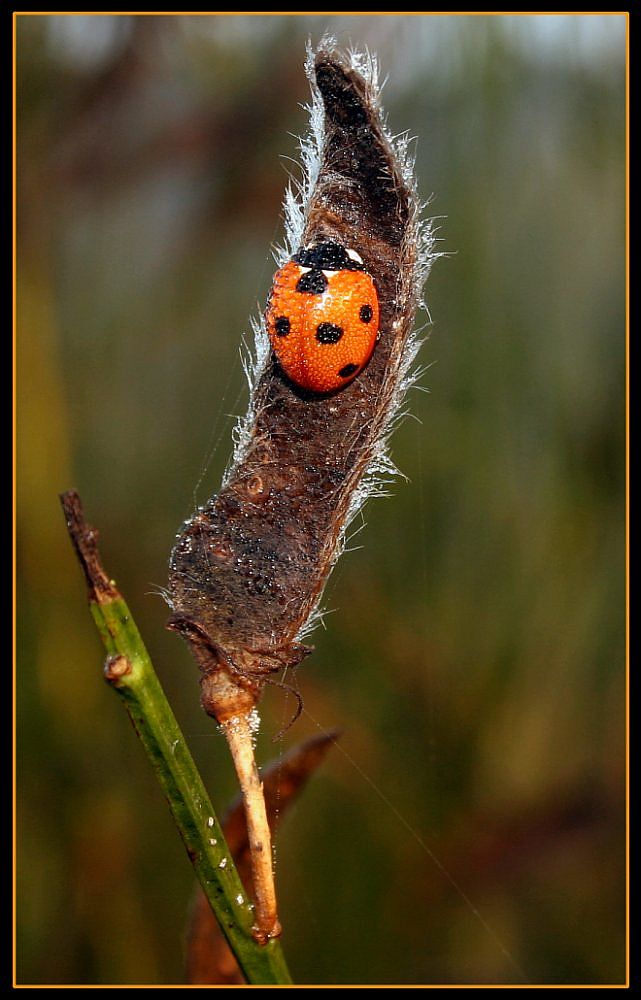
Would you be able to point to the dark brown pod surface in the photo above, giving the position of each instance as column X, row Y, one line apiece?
column 248, row 570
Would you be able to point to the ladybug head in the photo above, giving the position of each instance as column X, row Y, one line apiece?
column 329, row 256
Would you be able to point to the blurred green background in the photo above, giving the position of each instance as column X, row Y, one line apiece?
column 476, row 657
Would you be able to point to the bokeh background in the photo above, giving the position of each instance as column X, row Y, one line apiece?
column 471, row 829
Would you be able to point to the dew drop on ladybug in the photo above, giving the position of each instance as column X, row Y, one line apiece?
column 322, row 317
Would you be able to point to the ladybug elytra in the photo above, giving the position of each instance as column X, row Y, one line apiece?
column 322, row 317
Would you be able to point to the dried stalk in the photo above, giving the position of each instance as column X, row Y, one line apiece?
column 240, row 733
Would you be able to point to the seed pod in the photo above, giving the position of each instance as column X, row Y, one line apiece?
column 248, row 570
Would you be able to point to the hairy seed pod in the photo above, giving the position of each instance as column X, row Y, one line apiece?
column 248, row 570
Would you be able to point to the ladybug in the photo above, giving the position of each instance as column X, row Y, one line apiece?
column 322, row 317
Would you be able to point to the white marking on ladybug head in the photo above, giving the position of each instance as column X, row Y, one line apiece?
column 354, row 256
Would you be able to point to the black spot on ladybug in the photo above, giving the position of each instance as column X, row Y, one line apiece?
column 366, row 313
column 282, row 326
column 347, row 370
column 312, row 281
column 328, row 333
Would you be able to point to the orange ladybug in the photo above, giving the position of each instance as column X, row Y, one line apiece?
column 322, row 317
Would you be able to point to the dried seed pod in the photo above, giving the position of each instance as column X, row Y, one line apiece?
column 248, row 570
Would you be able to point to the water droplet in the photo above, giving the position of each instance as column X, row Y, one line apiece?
column 239, row 899
column 210, row 821
column 223, row 863
column 213, row 841
column 254, row 721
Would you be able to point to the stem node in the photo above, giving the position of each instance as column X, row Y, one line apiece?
column 116, row 667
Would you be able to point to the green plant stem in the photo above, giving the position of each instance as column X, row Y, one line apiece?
column 130, row 672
